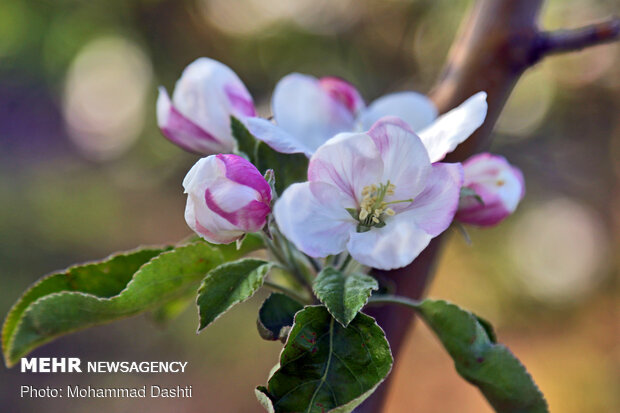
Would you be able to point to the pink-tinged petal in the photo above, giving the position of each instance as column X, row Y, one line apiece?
column 277, row 138
column 414, row 108
column 208, row 93
column 209, row 226
column 307, row 112
column 433, row 210
column 499, row 184
column 183, row 132
column 344, row 92
column 312, row 216
column 243, row 172
column 393, row 246
column 454, row 127
column 348, row 161
column 406, row 163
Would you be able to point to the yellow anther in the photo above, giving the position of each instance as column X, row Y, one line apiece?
column 389, row 212
column 363, row 214
column 375, row 220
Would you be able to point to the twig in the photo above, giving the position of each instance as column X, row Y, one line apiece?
column 562, row 41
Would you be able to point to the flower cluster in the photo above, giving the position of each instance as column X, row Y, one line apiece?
column 375, row 187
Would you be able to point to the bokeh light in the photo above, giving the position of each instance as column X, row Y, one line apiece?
column 560, row 249
column 105, row 93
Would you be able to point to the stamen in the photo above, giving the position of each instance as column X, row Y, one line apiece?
column 373, row 209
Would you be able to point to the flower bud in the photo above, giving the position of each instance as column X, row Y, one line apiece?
column 226, row 198
column 499, row 185
column 198, row 117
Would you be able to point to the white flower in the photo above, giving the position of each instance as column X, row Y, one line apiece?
column 309, row 111
column 226, row 197
column 198, row 117
column 499, row 185
column 375, row 194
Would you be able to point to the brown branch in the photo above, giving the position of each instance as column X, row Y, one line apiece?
column 562, row 41
column 496, row 44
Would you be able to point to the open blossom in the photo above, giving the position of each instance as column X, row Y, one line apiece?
column 309, row 111
column 499, row 185
column 375, row 194
column 226, row 197
column 198, row 117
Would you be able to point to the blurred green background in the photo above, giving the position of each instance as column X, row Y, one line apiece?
column 84, row 171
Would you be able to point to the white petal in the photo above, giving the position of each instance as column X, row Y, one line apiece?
column 406, row 163
column 208, row 93
column 308, row 112
column 349, row 162
column 454, row 127
column 276, row 137
column 414, row 108
column 393, row 246
column 433, row 210
column 312, row 216
column 183, row 132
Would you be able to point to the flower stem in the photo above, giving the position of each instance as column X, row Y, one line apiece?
column 394, row 299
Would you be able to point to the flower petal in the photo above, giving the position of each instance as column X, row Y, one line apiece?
column 406, row 163
column 393, row 246
column 208, row 224
column 243, row 172
column 344, row 92
column 348, row 161
column 312, row 216
column 307, row 112
column 208, row 93
column 433, row 210
column 181, row 131
column 454, row 127
column 414, row 108
column 276, row 137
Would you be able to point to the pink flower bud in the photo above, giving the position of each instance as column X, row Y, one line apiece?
column 198, row 117
column 499, row 185
column 226, row 197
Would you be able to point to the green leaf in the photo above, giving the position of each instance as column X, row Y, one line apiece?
column 99, row 292
column 172, row 309
column 289, row 168
column 491, row 367
column 227, row 285
column 276, row 313
column 343, row 295
column 103, row 278
column 325, row 367
column 245, row 140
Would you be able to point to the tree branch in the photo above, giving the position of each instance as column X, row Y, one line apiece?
column 562, row 41
column 495, row 45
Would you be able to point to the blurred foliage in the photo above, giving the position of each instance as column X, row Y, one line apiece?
column 69, row 191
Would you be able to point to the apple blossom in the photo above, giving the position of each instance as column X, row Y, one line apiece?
column 375, row 194
column 499, row 185
column 309, row 111
column 226, row 197
column 198, row 117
